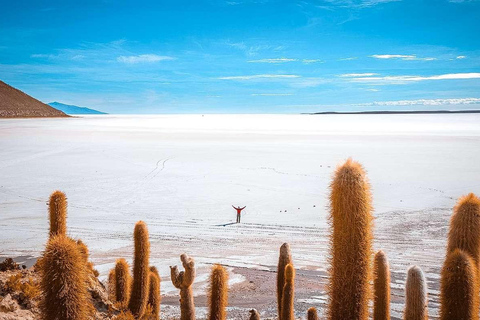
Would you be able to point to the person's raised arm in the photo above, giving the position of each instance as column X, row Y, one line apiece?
column 243, row 208
column 234, row 207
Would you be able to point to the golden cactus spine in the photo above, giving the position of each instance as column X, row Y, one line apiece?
column 254, row 315
column 312, row 314
column 183, row 281
column 139, row 293
column 154, row 298
column 459, row 288
column 57, row 209
column 381, row 287
column 122, row 282
column 464, row 233
column 288, row 294
column 63, row 281
column 284, row 259
column 218, row 293
column 351, row 243
column 415, row 295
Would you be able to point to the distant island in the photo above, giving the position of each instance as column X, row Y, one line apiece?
column 17, row 104
column 397, row 112
column 71, row 109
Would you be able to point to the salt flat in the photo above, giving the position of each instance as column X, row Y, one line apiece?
column 182, row 173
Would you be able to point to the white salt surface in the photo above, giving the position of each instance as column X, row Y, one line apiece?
column 182, row 173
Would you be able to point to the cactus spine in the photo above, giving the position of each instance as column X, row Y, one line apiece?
column 139, row 294
column 415, row 295
column 63, row 281
column 288, row 294
column 284, row 259
column 254, row 315
column 57, row 209
column 459, row 288
column 154, row 293
column 381, row 286
column 183, row 281
column 122, row 282
column 351, row 243
column 464, row 233
column 312, row 314
column 218, row 293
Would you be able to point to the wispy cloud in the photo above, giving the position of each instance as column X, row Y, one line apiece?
column 142, row 58
column 348, row 59
column 424, row 102
column 409, row 57
column 461, row 57
column 354, row 75
column 274, row 60
column 404, row 79
column 355, row 3
column 307, row 61
column 261, row 76
column 272, row 94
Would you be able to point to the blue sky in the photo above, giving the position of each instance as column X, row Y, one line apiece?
column 244, row 56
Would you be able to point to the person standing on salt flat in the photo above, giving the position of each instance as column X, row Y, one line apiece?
column 239, row 210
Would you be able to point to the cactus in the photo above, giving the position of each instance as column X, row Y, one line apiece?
column 288, row 293
column 154, row 298
column 57, row 208
column 111, row 285
column 464, row 231
column 218, row 293
column 63, row 281
column 415, row 295
column 82, row 247
column 139, row 294
column 351, row 243
column 381, row 287
column 254, row 315
column 183, row 281
column 284, row 258
column 122, row 282
column 459, row 289
column 312, row 314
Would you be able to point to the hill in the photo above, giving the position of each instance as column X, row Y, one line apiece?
column 17, row 104
column 71, row 109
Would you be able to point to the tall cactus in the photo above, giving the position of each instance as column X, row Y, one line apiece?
column 154, row 298
column 312, row 314
column 464, row 231
column 183, row 281
column 351, row 243
column 63, row 281
column 122, row 282
column 459, row 289
column 57, row 209
column 284, row 259
column 141, row 272
column 288, row 294
column 111, row 285
column 254, row 315
column 218, row 293
column 381, row 287
column 415, row 295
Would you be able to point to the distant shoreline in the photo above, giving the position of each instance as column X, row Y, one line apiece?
column 397, row 112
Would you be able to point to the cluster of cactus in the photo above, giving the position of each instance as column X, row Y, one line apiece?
column 356, row 276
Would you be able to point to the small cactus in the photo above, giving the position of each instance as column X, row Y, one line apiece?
column 254, row 315
column 284, row 259
column 458, row 287
column 218, row 293
column 183, row 281
column 288, row 294
column 122, row 282
column 141, row 273
column 111, row 285
column 351, row 243
column 381, row 287
column 415, row 295
column 63, row 281
column 312, row 314
column 57, row 208
column 154, row 298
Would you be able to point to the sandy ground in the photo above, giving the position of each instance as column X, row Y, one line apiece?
column 181, row 174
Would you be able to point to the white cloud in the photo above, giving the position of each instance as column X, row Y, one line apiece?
column 261, row 76
column 354, row 75
column 275, row 60
column 404, row 79
column 348, row 59
column 424, row 102
column 143, row 58
column 272, row 94
column 307, row 61
column 461, row 57
column 409, row 57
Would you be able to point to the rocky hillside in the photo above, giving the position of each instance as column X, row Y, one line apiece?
column 16, row 104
